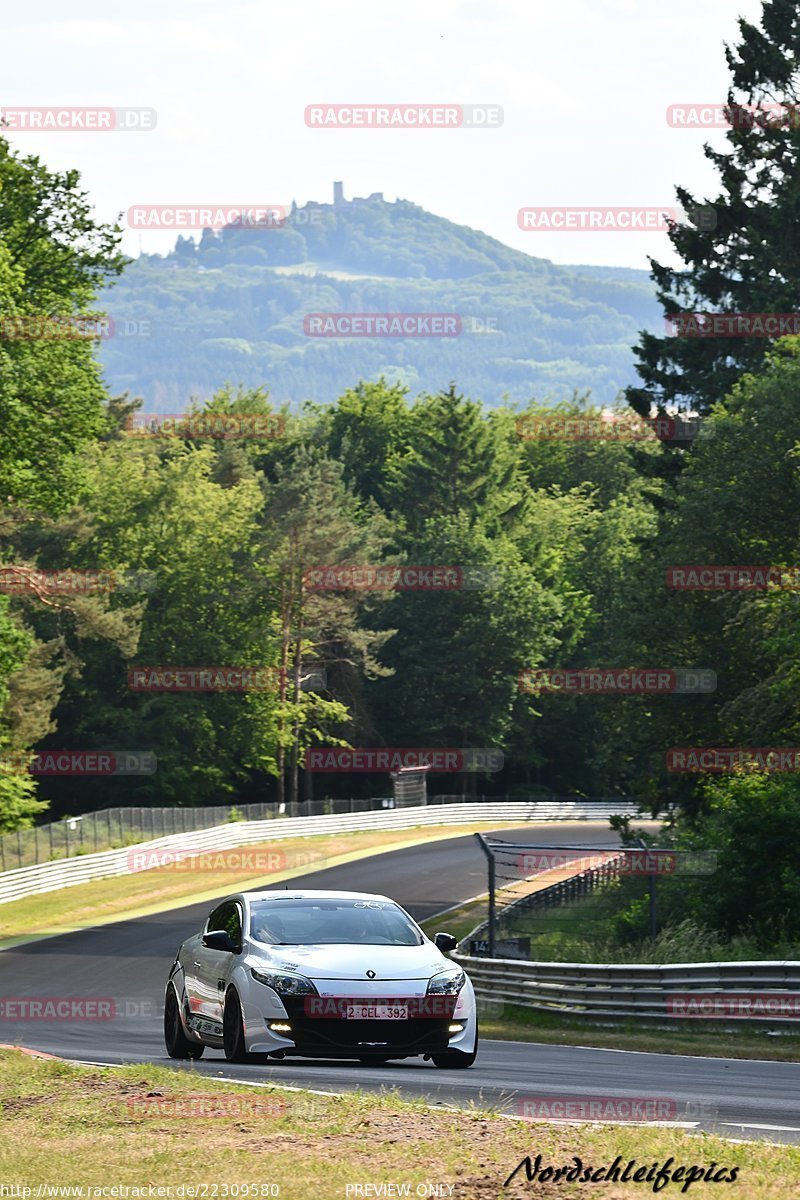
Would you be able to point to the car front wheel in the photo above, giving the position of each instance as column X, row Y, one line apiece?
column 233, row 1040
column 175, row 1039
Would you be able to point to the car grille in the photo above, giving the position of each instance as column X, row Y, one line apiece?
column 334, row 1035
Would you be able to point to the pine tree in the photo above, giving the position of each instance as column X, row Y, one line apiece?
column 456, row 464
column 750, row 261
column 311, row 519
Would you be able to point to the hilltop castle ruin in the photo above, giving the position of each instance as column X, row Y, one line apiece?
column 339, row 200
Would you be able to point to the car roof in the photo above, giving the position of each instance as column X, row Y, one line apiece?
column 314, row 894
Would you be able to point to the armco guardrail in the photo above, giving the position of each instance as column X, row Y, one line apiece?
column 110, row 828
column 755, row 991
column 47, row 877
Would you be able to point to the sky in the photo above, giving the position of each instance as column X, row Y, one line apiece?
column 584, row 86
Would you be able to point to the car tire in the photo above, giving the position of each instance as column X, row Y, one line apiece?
column 233, row 1039
column 456, row 1060
column 175, row 1039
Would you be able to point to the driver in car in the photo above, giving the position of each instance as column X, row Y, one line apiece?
column 356, row 925
column 268, row 928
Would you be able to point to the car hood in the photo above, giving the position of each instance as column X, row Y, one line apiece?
column 352, row 962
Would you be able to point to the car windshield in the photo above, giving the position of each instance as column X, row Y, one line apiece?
column 304, row 922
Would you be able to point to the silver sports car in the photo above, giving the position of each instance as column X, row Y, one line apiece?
column 319, row 974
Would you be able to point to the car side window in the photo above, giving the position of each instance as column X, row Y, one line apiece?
column 228, row 917
column 216, row 920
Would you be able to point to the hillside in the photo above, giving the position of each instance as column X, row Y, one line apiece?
column 231, row 307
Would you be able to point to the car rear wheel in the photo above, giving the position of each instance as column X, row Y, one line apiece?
column 456, row 1060
column 233, row 1040
column 175, row 1039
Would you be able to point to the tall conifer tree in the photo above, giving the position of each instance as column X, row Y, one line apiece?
column 750, row 261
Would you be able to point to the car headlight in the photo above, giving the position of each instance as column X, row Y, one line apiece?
column 285, row 984
column 446, row 983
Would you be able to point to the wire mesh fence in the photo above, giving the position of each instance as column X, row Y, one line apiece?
column 573, row 903
column 111, row 828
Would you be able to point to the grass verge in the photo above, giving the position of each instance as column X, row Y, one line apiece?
column 130, row 1127
column 554, row 932
column 513, row 1023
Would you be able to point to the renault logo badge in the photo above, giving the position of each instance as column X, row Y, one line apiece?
column 370, row 974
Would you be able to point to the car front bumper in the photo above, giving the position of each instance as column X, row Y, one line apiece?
column 340, row 1037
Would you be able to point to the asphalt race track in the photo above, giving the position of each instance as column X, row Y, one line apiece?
column 129, row 961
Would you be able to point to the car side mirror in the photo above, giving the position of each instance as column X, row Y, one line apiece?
column 445, row 942
column 218, row 939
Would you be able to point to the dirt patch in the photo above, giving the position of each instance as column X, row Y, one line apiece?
column 13, row 1105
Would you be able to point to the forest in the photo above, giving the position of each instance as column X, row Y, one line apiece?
column 410, row 567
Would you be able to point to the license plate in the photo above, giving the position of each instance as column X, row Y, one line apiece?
column 376, row 1012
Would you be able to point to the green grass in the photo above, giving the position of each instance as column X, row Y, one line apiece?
column 114, row 1127
column 459, row 922
column 589, row 930
column 554, row 932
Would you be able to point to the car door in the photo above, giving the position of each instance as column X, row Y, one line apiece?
column 212, row 968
